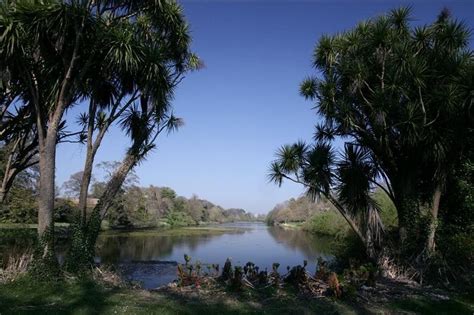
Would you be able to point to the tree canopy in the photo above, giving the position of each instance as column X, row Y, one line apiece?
column 400, row 97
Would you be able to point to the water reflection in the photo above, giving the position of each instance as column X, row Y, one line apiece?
column 113, row 249
column 255, row 242
column 242, row 242
column 311, row 245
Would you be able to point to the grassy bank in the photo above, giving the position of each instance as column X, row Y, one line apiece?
column 88, row 297
column 327, row 223
column 28, row 226
column 291, row 225
column 195, row 230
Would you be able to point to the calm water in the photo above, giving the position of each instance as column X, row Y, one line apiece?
column 243, row 242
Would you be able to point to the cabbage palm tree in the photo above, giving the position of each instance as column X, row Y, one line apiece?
column 346, row 181
column 54, row 50
column 115, row 88
column 396, row 93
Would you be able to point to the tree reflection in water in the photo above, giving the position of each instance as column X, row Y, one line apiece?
column 113, row 249
column 311, row 245
column 242, row 241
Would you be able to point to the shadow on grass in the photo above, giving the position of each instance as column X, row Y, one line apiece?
column 87, row 297
column 26, row 296
column 425, row 306
column 253, row 303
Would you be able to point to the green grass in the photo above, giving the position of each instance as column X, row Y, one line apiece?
column 327, row 223
column 18, row 230
column 27, row 226
column 291, row 225
column 457, row 305
column 25, row 296
column 184, row 231
column 86, row 297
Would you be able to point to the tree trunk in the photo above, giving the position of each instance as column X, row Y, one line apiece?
column 115, row 183
column 81, row 252
column 86, row 179
column 47, row 162
column 92, row 147
column 7, row 183
column 5, row 187
column 406, row 204
column 7, row 176
column 47, row 166
column 3, row 195
column 430, row 242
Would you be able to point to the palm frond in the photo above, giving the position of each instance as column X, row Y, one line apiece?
column 318, row 170
column 275, row 174
column 355, row 173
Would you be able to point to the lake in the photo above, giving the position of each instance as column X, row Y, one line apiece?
column 150, row 258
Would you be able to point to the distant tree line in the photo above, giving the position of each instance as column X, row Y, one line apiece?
column 297, row 210
column 148, row 206
column 133, row 206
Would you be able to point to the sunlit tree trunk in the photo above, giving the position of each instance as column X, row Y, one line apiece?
column 46, row 184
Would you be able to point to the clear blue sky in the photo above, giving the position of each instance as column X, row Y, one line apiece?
column 244, row 104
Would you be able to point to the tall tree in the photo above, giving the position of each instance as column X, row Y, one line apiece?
column 395, row 93
column 55, row 51
column 346, row 183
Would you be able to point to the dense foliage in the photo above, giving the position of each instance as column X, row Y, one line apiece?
column 400, row 98
column 151, row 206
column 321, row 217
column 124, row 58
column 296, row 210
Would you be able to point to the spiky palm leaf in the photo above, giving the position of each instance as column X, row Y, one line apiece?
column 355, row 173
column 318, row 170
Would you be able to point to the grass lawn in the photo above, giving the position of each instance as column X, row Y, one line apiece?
column 25, row 296
column 27, row 226
column 182, row 231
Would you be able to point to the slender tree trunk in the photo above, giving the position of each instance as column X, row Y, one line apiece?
column 81, row 253
column 7, row 183
column 3, row 195
column 86, row 179
column 47, row 165
column 430, row 242
column 5, row 188
column 115, row 183
column 8, row 173
column 92, row 147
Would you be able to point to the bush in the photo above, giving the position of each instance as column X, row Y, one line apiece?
column 328, row 223
column 388, row 212
column 349, row 252
column 21, row 206
column 456, row 255
column 64, row 210
column 180, row 219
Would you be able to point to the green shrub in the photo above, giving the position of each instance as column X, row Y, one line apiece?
column 388, row 212
column 21, row 206
column 349, row 252
column 176, row 218
column 328, row 223
column 64, row 210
